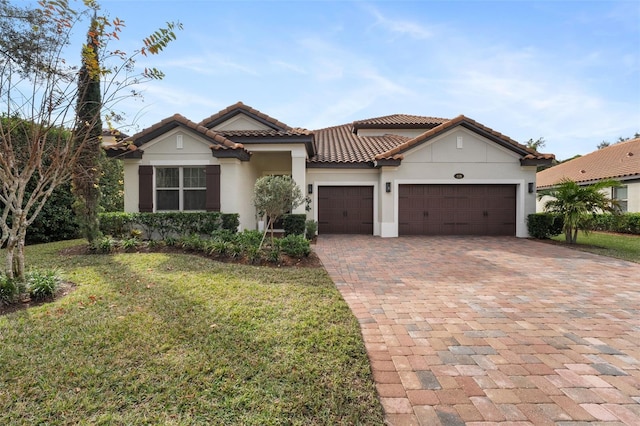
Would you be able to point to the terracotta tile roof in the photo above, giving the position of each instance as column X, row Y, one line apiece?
column 218, row 141
column 339, row 144
column 239, row 107
column 617, row 161
column 264, row 133
column 398, row 121
column 527, row 153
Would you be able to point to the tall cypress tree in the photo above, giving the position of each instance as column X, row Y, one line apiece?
column 87, row 169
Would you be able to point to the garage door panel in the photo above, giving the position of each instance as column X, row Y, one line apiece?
column 457, row 209
column 345, row 210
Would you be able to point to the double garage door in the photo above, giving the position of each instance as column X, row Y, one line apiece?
column 457, row 210
column 423, row 210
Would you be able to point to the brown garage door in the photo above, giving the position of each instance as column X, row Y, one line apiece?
column 457, row 210
column 345, row 210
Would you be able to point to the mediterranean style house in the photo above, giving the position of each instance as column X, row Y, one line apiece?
column 620, row 161
column 387, row 176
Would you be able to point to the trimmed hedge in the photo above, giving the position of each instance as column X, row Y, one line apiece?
column 626, row 223
column 167, row 224
column 544, row 225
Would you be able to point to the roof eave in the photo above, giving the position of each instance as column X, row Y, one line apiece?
column 382, row 162
column 536, row 161
column 240, row 154
column 338, row 165
column 307, row 140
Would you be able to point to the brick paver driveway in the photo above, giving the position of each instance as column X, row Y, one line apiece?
column 466, row 330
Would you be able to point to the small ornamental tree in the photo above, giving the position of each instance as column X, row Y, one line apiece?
column 274, row 196
column 578, row 204
column 40, row 141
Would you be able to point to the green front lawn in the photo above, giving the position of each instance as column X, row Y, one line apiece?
column 621, row 246
column 180, row 339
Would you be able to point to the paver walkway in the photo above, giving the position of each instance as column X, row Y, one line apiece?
column 479, row 330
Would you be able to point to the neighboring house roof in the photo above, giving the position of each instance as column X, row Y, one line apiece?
column 220, row 145
column 619, row 161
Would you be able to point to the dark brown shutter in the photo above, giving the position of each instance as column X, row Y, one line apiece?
column 145, row 188
column 213, row 188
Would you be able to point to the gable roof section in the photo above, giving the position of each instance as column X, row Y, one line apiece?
column 528, row 156
column 339, row 145
column 220, row 145
column 240, row 108
column 277, row 131
column 619, row 161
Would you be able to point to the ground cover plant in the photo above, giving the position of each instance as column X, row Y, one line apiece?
column 170, row 338
column 620, row 246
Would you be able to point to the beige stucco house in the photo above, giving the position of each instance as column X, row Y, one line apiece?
column 386, row 176
column 620, row 161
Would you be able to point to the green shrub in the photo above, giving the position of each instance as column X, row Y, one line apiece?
column 248, row 238
column 311, row 228
column 544, row 225
column 116, row 224
column 170, row 241
column 273, row 254
column 626, row 223
column 253, row 254
column 633, row 223
column 9, row 290
column 129, row 244
column 230, row 221
column 295, row 245
column 294, row 224
column 106, row 244
column 57, row 220
column 43, row 284
column 192, row 242
column 220, row 247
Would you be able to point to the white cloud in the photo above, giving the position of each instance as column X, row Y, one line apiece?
column 400, row 27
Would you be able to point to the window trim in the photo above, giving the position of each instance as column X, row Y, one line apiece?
column 623, row 202
column 181, row 187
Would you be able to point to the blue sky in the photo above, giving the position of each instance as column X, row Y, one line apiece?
column 568, row 71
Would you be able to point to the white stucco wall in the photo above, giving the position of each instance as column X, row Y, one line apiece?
column 633, row 196
column 479, row 160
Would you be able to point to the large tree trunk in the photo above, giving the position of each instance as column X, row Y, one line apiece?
column 14, row 258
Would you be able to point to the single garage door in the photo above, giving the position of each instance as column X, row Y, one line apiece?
column 457, row 210
column 345, row 210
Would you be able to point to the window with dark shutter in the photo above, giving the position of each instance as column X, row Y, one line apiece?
column 213, row 188
column 145, row 188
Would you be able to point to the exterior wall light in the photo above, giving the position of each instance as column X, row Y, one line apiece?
column 387, row 186
column 531, row 187
column 310, row 188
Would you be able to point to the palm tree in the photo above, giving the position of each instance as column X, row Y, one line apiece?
column 577, row 204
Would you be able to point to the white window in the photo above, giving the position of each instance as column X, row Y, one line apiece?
column 181, row 188
column 620, row 194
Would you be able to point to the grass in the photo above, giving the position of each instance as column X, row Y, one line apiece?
column 179, row 339
column 620, row 246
